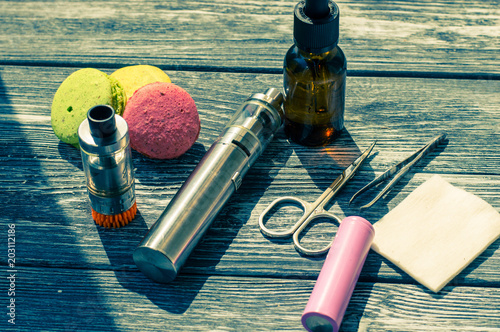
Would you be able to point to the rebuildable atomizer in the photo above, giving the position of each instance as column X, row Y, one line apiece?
column 169, row 242
column 107, row 163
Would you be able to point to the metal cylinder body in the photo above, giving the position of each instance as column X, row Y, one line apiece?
column 190, row 213
column 107, row 161
column 340, row 272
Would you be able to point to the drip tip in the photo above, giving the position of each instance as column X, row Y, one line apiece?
column 102, row 121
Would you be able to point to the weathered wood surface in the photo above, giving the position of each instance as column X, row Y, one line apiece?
column 237, row 279
column 417, row 36
column 75, row 276
column 83, row 300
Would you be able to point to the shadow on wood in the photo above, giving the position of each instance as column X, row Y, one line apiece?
column 27, row 207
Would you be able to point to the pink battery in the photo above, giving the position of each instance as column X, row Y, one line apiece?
column 338, row 276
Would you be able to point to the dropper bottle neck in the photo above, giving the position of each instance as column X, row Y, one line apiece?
column 316, row 25
column 317, row 9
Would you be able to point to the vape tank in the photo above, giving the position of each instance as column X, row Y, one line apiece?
column 107, row 163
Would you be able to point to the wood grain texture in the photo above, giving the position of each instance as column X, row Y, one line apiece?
column 74, row 276
column 82, row 300
column 410, row 36
column 43, row 178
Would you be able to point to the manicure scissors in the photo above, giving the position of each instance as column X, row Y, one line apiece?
column 314, row 210
column 399, row 169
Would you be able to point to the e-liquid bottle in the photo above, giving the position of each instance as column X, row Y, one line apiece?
column 314, row 75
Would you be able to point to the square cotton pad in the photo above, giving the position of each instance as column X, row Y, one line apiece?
column 436, row 231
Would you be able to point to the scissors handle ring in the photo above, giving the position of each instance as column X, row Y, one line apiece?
column 280, row 234
column 309, row 252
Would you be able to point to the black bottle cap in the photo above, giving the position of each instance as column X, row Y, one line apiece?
column 316, row 25
column 102, row 122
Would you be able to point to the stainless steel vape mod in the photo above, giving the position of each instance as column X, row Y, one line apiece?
column 171, row 239
column 107, row 163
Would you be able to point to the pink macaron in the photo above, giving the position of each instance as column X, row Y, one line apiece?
column 163, row 120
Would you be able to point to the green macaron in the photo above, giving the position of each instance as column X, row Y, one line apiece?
column 78, row 93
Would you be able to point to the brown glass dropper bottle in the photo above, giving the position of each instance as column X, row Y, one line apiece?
column 314, row 75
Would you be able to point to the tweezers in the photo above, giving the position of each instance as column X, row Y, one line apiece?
column 399, row 169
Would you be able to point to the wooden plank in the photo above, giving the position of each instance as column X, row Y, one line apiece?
column 416, row 36
column 60, row 233
column 398, row 112
column 42, row 183
column 126, row 301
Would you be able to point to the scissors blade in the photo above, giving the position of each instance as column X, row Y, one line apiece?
column 349, row 171
column 346, row 175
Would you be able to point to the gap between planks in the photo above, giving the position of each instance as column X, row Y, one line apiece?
column 260, row 70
